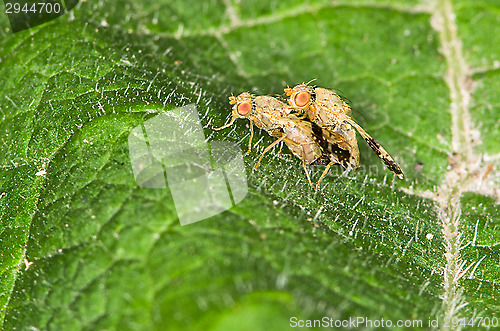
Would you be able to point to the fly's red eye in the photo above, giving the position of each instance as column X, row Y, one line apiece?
column 244, row 108
column 302, row 98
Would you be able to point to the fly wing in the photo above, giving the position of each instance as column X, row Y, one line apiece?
column 338, row 145
column 378, row 149
column 301, row 139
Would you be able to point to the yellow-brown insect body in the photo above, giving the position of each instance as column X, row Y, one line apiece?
column 244, row 100
column 303, row 144
column 275, row 117
column 270, row 112
column 327, row 109
column 323, row 107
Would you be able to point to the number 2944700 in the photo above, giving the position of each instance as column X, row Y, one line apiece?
column 33, row 8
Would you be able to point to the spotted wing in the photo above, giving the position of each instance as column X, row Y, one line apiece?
column 378, row 149
column 338, row 144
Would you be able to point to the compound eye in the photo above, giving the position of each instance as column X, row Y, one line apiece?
column 244, row 108
column 302, row 98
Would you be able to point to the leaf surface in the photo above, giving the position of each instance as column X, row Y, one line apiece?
column 84, row 247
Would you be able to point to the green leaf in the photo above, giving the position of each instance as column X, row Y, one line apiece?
column 82, row 246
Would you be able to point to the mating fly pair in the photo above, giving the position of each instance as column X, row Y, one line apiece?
column 315, row 125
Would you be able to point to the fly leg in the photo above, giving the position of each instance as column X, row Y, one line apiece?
column 324, row 174
column 282, row 136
